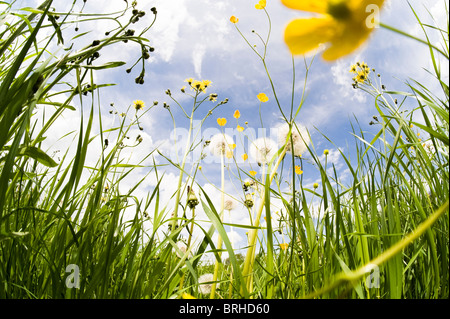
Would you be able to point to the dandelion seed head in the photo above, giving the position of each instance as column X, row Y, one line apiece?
column 300, row 138
column 205, row 283
column 263, row 149
column 220, row 144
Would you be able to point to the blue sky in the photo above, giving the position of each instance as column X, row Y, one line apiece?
column 196, row 39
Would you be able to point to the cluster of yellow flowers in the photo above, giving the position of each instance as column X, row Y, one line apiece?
column 199, row 86
column 361, row 71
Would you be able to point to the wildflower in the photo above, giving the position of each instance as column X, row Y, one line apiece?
column 221, row 121
column 326, row 152
column 262, row 97
column 315, row 185
column 240, row 128
column 244, row 157
column 361, row 77
column 219, row 144
column 298, row 170
column 260, row 5
column 253, row 173
column 232, row 146
column 183, row 89
column 344, row 25
column 213, row 97
column 200, row 168
column 206, row 83
column 233, row 19
column 229, row 154
column 138, row 104
column 284, row 246
column 199, row 86
column 262, row 150
column 229, row 204
column 192, row 200
column 299, row 136
column 248, row 201
column 189, row 80
column 205, row 283
column 237, row 114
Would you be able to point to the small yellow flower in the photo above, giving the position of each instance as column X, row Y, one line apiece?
column 361, row 77
column 326, row 152
column 237, row 114
column 244, row 157
column 221, row 121
column 233, row 19
column 183, row 89
column 206, row 83
column 189, row 80
column 253, row 173
column 240, row 128
column 298, row 170
column 262, row 97
column 284, row 246
column 315, row 185
column 342, row 24
column 353, row 69
column 229, row 154
column 260, row 5
column 232, row 146
column 138, row 104
column 200, row 168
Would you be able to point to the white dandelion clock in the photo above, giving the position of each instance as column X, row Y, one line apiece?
column 205, row 283
column 300, row 138
column 263, row 150
column 220, row 144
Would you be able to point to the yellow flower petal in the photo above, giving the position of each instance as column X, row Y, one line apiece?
column 253, row 173
column 221, row 121
column 240, row 128
column 262, row 97
column 244, row 157
column 284, row 246
column 237, row 114
column 233, row 19
column 229, row 154
column 232, row 146
column 298, row 170
column 304, row 35
column 260, row 5
column 318, row 6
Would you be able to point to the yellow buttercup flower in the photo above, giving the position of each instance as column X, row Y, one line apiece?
column 298, row 170
column 240, row 128
column 244, row 157
column 221, row 121
column 138, row 104
column 262, row 97
column 237, row 114
column 233, row 19
column 284, row 246
column 343, row 24
column 253, row 173
column 260, row 5
column 229, row 154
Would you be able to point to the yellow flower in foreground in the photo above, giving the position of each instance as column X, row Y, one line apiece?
column 237, row 114
column 298, row 170
column 260, row 5
column 240, row 128
column 262, row 97
column 326, row 152
column 343, row 24
column 221, row 121
column 138, row 104
column 253, row 173
column 284, row 246
column 233, row 19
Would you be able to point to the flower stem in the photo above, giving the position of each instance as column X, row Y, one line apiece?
column 219, row 240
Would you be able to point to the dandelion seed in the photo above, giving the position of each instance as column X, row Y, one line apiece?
column 183, row 247
column 229, row 204
column 262, row 97
column 205, row 283
column 263, row 149
column 343, row 25
column 138, row 104
column 299, row 135
column 219, row 144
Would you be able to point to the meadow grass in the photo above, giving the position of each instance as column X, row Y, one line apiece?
column 384, row 233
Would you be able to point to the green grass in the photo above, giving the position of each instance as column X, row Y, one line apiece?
column 390, row 215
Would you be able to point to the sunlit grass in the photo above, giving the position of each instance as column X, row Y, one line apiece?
column 380, row 232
